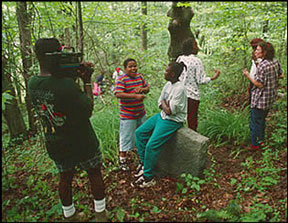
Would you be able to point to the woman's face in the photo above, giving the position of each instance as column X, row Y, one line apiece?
column 131, row 69
column 259, row 53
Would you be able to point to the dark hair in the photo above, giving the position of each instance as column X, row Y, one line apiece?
column 255, row 41
column 46, row 45
column 270, row 52
column 177, row 68
column 127, row 61
column 268, row 48
column 189, row 46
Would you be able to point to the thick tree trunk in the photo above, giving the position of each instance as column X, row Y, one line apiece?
column 24, row 22
column 179, row 28
column 12, row 114
column 143, row 28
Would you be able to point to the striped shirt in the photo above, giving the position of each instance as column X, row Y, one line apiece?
column 130, row 108
column 267, row 74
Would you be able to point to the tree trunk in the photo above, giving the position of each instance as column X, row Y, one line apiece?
column 143, row 28
column 24, row 23
column 67, row 37
column 81, row 30
column 12, row 58
column 12, row 114
column 179, row 28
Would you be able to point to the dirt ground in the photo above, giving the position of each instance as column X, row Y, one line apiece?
column 172, row 206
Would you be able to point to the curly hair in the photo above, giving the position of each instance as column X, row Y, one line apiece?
column 269, row 49
column 125, row 63
column 255, row 41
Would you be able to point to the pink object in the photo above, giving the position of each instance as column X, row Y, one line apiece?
column 96, row 89
column 118, row 69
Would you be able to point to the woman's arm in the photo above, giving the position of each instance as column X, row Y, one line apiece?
column 254, row 82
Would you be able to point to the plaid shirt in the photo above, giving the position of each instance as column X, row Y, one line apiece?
column 267, row 74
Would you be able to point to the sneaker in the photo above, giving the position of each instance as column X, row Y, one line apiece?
column 123, row 166
column 253, row 148
column 148, row 183
column 78, row 216
column 142, row 182
column 102, row 216
column 262, row 144
column 139, row 170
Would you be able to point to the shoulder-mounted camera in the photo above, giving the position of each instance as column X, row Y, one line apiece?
column 65, row 64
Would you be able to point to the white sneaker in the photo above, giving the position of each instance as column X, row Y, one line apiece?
column 149, row 183
column 139, row 170
column 123, row 166
column 142, row 182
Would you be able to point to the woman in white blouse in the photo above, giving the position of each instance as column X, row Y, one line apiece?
column 192, row 78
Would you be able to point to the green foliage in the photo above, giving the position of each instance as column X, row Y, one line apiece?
column 192, row 182
column 230, row 213
column 111, row 34
column 6, row 98
column 225, row 126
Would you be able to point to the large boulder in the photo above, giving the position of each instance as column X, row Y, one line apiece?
column 185, row 152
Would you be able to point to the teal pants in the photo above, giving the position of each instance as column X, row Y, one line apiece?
column 150, row 137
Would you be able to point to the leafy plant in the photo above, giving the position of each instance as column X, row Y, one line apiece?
column 225, row 127
column 191, row 182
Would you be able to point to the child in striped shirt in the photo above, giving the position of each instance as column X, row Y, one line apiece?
column 130, row 89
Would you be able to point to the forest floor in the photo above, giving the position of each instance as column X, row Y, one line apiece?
column 161, row 203
column 164, row 202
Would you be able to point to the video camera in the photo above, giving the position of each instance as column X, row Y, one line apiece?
column 66, row 64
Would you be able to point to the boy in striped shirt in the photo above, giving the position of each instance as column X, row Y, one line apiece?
column 130, row 89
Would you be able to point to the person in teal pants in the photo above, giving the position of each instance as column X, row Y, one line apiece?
column 152, row 134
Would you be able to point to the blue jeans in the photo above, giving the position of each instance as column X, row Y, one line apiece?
column 257, row 125
column 127, row 133
column 150, row 138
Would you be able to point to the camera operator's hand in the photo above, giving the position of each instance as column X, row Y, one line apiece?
column 85, row 71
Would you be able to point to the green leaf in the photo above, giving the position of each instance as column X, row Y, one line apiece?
column 233, row 181
column 120, row 214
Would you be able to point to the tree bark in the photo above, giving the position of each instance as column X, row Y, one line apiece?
column 12, row 114
column 24, row 23
column 179, row 28
column 81, row 30
column 143, row 28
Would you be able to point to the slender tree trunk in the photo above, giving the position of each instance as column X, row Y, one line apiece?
column 11, row 58
column 81, row 30
column 12, row 114
column 24, row 22
column 67, row 37
column 179, row 29
column 143, row 28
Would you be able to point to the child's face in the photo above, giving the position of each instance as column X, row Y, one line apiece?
column 169, row 74
column 131, row 69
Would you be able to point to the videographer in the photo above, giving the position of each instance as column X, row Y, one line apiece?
column 64, row 111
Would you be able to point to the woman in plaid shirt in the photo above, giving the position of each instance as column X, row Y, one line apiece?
column 263, row 92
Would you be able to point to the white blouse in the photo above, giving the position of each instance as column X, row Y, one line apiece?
column 193, row 76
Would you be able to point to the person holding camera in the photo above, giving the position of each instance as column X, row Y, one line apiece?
column 64, row 111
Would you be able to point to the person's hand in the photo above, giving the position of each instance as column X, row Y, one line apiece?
column 245, row 72
column 85, row 71
column 138, row 90
column 139, row 96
